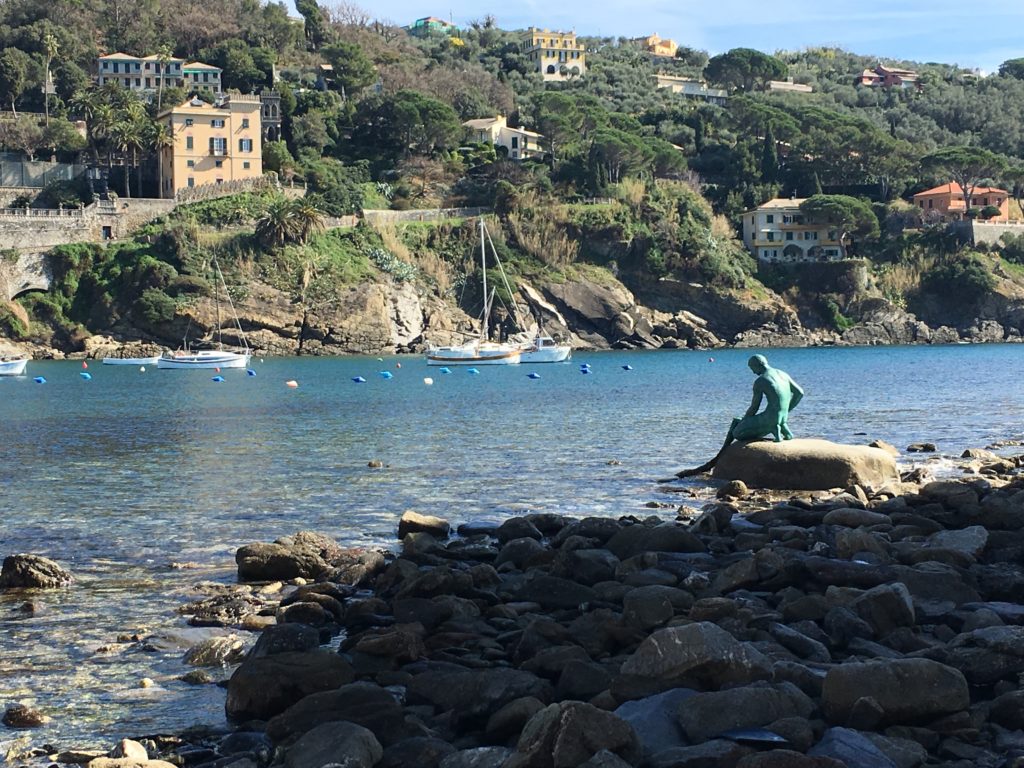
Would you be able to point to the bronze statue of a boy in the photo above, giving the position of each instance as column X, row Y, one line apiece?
column 781, row 395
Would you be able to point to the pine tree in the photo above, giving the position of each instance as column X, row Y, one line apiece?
column 769, row 157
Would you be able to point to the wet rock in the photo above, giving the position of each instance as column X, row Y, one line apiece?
column 285, row 638
column 518, row 552
column 481, row 757
column 700, row 654
column 804, row 464
column 585, row 566
column 1008, row 710
column 270, row 562
column 555, row 592
column 23, row 716
column 32, row 572
column 341, row 743
column 517, row 528
column 886, row 608
column 850, row 747
column 734, row 489
column 654, row 720
column 907, row 690
column 651, row 606
column 414, row 522
column 265, row 686
column 417, row 752
column 707, row 715
column 855, row 518
column 363, row 703
column 566, row 735
column 987, row 655
column 215, row 652
column 666, row 537
column 921, row 448
column 511, row 718
column 473, row 696
column 130, row 749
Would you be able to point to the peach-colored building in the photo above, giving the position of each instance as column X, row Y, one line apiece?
column 657, row 46
column 888, row 77
column 948, row 201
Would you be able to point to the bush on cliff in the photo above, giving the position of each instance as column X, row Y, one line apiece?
column 960, row 280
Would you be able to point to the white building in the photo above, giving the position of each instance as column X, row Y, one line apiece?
column 777, row 232
column 694, row 89
column 520, row 143
column 144, row 73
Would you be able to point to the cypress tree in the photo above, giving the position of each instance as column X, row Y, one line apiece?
column 769, row 157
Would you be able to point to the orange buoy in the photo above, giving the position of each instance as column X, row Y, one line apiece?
column 85, row 364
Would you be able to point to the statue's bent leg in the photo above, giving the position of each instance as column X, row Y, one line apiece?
column 752, row 428
column 784, row 428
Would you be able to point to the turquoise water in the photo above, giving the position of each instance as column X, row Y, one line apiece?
column 120, row 476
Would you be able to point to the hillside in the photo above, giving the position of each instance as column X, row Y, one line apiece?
column 633, row 189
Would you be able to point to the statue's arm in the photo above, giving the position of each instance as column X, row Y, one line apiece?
column 797, row 394
column 755, row 402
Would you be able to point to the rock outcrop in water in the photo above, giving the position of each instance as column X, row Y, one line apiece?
column 32, row 572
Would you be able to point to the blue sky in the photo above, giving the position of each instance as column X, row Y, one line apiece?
column 971, row 34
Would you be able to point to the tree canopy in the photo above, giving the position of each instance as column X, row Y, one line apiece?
column 744, row 69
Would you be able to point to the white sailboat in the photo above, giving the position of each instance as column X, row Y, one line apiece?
column 544, row 349
column 13, row 367
column 131, row 360
column 479, row 351
column 186, row 358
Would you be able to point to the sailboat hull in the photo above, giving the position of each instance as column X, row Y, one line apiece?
column 207, row 359
column 13, row 367
column 475, row 353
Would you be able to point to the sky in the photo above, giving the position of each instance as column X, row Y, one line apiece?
column 971, row 34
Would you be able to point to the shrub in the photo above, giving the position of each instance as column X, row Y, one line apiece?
column 961, row 279
column 154, row 308
column 12, row 326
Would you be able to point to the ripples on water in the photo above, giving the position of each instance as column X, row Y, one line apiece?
column 119, row 476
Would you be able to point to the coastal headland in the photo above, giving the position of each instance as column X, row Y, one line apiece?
column 858, row 626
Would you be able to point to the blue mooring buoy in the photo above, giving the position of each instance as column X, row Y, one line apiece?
column 250, row 371
column 627, row 367
column 84, row 375
column 584, row 370
column 444, row 369
column 387, row 375
column 472, row 371
column 533, row 375
column 358, row 379
column 218, row 379
column 39, row 380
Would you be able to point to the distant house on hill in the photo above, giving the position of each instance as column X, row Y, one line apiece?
column 888, row 77
column 694, row 89
column 778, row 233
column 144, row 74
column 788, row 86
column 555, row 55
column 520, row 143
column 948, row 201
column 657, row 46
column 431, row 25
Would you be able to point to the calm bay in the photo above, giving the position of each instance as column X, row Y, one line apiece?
column 122, row 475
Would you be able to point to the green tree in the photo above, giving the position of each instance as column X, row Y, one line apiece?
column 315, row 22
column 1012, row 68
column 158, row 137
column 164, row 55
column 278, row 159
column 744, row 69
column 353, row 71
column 404, row 123
column 968, row 166
column 850, row 216
column 769, row 157
column 277, row 226
column 50, row 49
column 14, row 66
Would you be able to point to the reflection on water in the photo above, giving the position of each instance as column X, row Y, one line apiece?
column 122, row 475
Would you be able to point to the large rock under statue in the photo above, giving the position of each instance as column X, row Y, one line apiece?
column 805, row 465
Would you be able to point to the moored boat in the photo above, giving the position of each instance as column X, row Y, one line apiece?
column 206, row 358
column 131, row 360
column 544, row 349
column 475, row 353
column 13, row 367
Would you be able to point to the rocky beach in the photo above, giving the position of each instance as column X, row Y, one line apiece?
column 876, row 627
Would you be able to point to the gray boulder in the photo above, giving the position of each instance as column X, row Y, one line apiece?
column 568, row 734
column 474, row 695
column 886, row 607
column 263, row 687
column 906, row 691
column 805, row 464
column 417, row 752
column 701, row 654
column 988, row 655
column 481, row 757
column 341, row 744
column 707, row 715
column 654, row 720
column 285, row 638
column 851, row 748
column 414, row 522
column 272, row 562
column 638, row 538
column 32, row 572
column 363, row 703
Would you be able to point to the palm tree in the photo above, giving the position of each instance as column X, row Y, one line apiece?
column 278, row 225
column 159, row 138
column 309, row 220
column 85, row 104
column 50, row 47
column 127, row 136
column 163, row 57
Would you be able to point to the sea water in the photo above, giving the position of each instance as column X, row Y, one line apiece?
column 121, row 476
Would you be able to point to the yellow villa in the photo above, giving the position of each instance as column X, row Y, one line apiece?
column 555, row 55
column 213, row 143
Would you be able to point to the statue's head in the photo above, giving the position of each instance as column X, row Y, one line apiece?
column 758, row 364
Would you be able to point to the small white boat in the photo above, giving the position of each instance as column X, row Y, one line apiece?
column 475, row 353
column 186, row 358
column 13, row 367
column 131, row 360
column 207, row 358
column 544, row 349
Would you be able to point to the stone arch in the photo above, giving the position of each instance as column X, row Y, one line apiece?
column 816, row 253
column 792, row 252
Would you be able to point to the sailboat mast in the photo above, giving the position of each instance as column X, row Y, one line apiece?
column 483, row 268
column 216, row 290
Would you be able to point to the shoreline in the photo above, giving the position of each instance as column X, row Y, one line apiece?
column 543, row 609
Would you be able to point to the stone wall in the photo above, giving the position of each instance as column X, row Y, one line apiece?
column 372, row 216
column 991, row 232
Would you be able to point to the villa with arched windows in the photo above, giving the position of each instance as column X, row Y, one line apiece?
column 556, row 55
column 779, row 233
